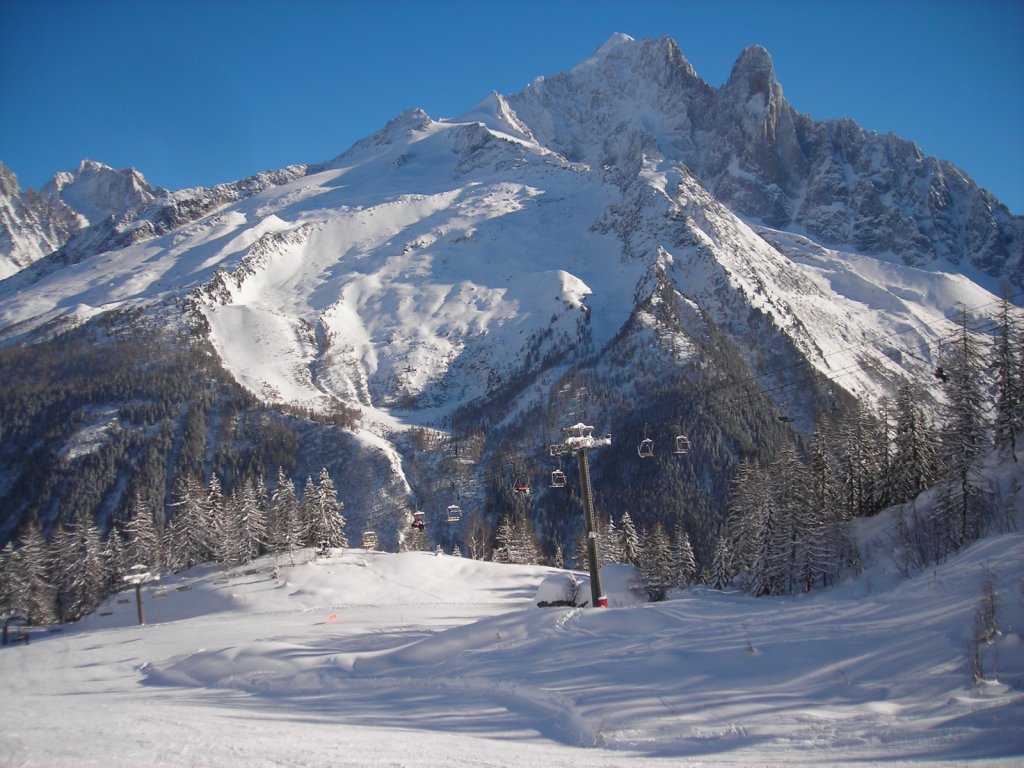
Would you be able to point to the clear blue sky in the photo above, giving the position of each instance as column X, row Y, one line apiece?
column 197, row 93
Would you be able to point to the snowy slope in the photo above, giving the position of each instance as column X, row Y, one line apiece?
column 370, row 659
column 436, row 261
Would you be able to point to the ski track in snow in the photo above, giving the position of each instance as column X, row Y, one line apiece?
column 417, row 659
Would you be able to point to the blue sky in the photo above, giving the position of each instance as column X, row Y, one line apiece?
column 197, row 93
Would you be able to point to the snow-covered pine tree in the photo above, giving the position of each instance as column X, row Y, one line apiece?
column 7, row 577
column 283, row 520
column 915, row 457
column 326, row 522
column 189, row 536
column 503, row 541
column 682, row 564
column 746, row 506
column 143, row 546
column 766, row 575
column 721, row 566
column 115, row 559
column 611, row 543
column 861, row 446
column 65, row 562
column 221, row 511
column 1008, row 366
column 962, row 510
column 655, row 562
column 630, row 541
column 826, row 542
column 524, row 549
column 34, row 594
column 795, row 516
column 307, row 513
column 559, row 558
column 249, row 501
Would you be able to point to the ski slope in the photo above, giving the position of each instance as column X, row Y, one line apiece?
column 412, row 659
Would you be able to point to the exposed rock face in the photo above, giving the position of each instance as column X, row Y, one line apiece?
column 31, row 225
column 877, row 193
column 96, row 191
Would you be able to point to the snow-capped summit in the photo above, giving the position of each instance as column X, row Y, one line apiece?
column 495, row 113
column 96, row 191
column 31, row 225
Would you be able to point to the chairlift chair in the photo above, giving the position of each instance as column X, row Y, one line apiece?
column 646, row 447
column 558, row 479
column 523, row 488
column 454, row 513
column 370, row 540
column 682, row 444
column 417, row 520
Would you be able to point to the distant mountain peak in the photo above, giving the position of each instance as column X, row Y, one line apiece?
column 96, row 191
column 754, row 71
column 496, row 114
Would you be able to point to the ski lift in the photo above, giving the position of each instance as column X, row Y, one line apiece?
column 523, row 488
column 370, row 540
column 417, row 520
column 558, row 479
column 454, row 513
column 682, row 444
column 646, row 447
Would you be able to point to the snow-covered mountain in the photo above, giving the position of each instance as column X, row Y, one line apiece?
column 95, row 191
column 31, row 226
column 34, row 224
column 622, row 226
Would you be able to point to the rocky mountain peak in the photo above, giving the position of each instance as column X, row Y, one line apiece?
column 754, row 70
column 8, row 181
column 96, row 191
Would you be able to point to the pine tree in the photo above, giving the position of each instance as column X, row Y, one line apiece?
column 630, row 541
column 655, row 562
column 915, row 447
column 559, row 559
column 115, row 559
column 283, row 520
column 721, row 567
column 189, row 535
column 965, row 505
column 324, row 517
column 766, row 577
column 682, row 564
column 523, row 548
column 746, row 505
column 794, row 516
column 249, row 520
column 144, row 545
column 35, row 595
column 503, row 541
column 1008, row 366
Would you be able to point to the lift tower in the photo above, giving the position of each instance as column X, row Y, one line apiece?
column 579, row 438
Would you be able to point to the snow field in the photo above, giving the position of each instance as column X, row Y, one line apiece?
column 417, row 659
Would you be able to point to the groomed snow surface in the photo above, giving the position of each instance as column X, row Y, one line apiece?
column 415, row 659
